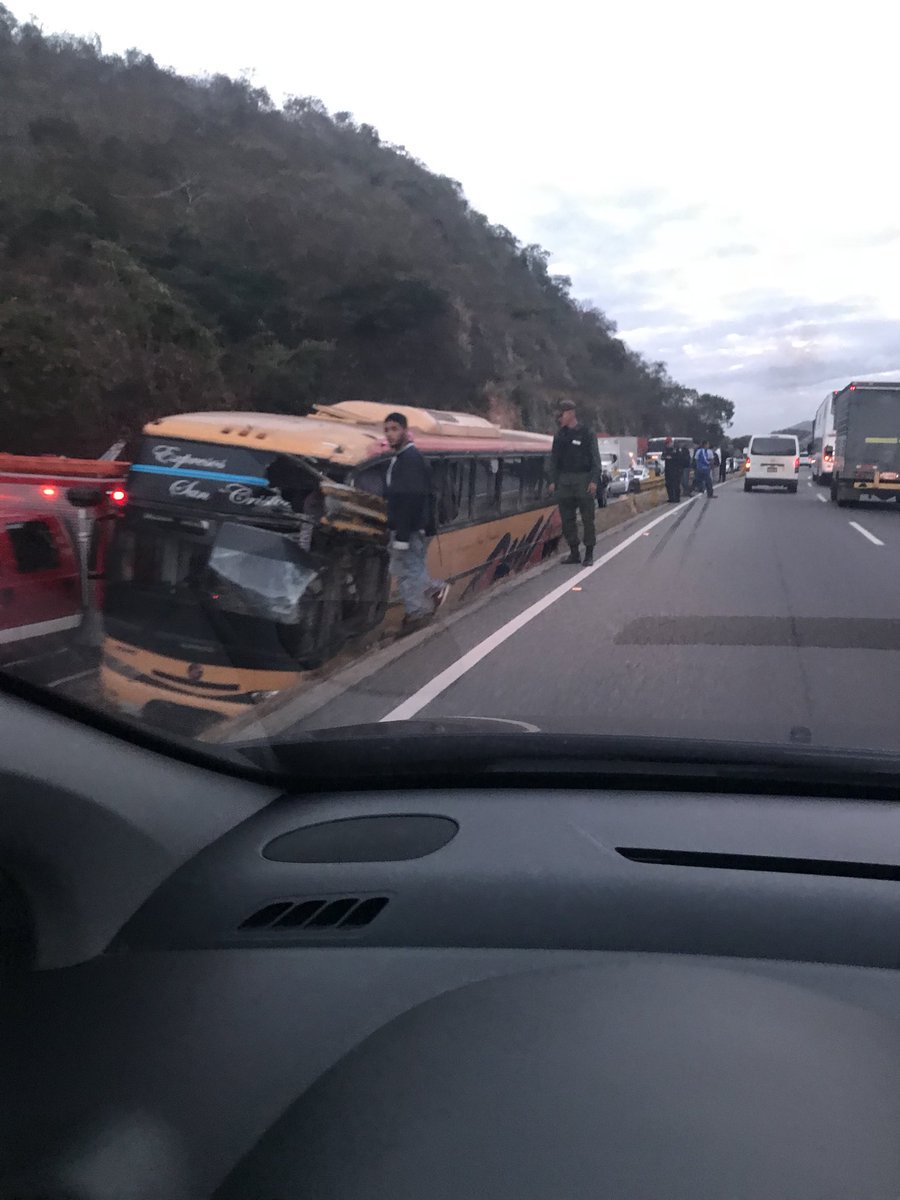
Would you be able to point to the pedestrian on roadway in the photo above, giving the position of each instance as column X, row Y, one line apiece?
column 703, row 460
column 723, row 466
column 672, row 468
column 574, row 477
column 684, row 456
column 410, row 518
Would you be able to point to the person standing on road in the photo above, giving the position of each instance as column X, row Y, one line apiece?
column 723, row 466
column 410, row 521
column 672, row 468
column 574, row 475
column 703, row 460
column 684, row 457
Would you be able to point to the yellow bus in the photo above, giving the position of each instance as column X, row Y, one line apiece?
column 253, row 547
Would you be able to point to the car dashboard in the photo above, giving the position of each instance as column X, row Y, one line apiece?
column 217, row 986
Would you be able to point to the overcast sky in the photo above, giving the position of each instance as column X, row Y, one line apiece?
column 722, row 180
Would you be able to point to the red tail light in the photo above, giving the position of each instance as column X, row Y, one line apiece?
column 49, row 492
column 797, row 463
column 118, row 496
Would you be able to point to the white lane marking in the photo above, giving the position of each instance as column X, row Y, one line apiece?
column 824, row 499
column 871, row 536
column 39, row 629
column 18, row 662
column 70, row 678
column 431, row 690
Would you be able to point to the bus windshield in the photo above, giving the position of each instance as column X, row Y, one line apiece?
column 259, row 573
column 240, row 569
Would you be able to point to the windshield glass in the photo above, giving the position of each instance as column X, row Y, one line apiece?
column 337, row 392
column 256, row 575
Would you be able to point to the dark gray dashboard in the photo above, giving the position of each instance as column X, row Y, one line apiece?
column 442, row 992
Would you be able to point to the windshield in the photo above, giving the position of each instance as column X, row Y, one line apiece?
column 258, row 573
column 338, row 383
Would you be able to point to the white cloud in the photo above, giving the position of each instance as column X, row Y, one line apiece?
column 699, row 163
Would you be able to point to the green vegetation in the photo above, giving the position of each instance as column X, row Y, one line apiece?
column 171, row 244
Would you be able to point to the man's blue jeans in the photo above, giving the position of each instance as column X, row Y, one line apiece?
column 414, row 583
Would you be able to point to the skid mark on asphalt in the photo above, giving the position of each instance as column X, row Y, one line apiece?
column 676, row 524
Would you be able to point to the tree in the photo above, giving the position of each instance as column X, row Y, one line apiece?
column 172, row 243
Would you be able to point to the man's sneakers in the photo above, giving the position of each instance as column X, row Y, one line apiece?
column 439, row 594
column 572, row 559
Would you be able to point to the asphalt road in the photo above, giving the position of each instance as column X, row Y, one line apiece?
column 57, row 666
column 761, row 617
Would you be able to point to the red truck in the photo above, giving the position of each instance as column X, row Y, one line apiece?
column 45, row 584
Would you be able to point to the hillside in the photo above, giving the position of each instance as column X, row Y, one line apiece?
column 170, row 243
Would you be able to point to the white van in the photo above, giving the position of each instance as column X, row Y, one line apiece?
column 772, row 460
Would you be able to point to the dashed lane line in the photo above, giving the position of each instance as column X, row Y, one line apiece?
column 871, row 536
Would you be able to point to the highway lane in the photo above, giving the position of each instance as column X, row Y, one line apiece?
column 761, row 617
column 58, row 665
column 877, row 517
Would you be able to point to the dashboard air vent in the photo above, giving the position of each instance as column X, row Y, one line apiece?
column 344, row 912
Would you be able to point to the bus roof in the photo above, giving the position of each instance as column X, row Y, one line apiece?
column 349, row 432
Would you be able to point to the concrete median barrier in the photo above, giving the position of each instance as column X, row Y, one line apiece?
column 621, row 510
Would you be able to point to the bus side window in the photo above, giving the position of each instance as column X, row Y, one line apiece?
column 535, row 481
column 451, row 486
column 511, row 481
column 484, row 493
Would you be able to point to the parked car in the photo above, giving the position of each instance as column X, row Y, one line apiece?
column 619, row 484
column 639, row 476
